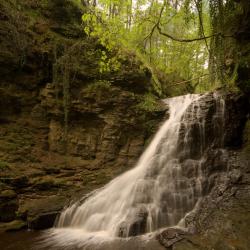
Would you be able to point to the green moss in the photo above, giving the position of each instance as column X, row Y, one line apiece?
column 9, row 194
column 4, row 165
column 16, row 144
column 96, row 178
column 98, row 86
column 61, row 183
column 48, row 182
column 44, row 183
column 12, row 226
column 148, row 103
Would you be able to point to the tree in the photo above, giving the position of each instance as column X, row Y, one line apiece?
column 184, row 37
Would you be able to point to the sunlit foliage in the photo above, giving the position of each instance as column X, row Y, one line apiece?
column 175, row 37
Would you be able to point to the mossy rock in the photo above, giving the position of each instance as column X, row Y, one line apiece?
column 41, row 213
column 184, row 245
column 13, row 226
column 8, row 194
column 8, row 205
column 43, row 221
column 63, row 11
column 44, row 183
column 8, row 209
column 15, row 182
column 52, row 170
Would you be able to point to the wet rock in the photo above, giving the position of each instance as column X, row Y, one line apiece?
column 45, row 183
column 170, row 236
column 41, row 213
column 8, row 205
column 218, row 114
column 235, row 176
column 187, row 245
column 42, row 221
column 8, row 194
column 216, row 161
column 52, row 170
column 15, row 182
column 138, row 226
column 123, row 230
column 15, row 225
column 236, row 115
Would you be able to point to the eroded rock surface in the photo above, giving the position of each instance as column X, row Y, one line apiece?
column 221, row 219
column 58, row 143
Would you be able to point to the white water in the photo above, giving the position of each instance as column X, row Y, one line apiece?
column 152, row 195
column 165, row 185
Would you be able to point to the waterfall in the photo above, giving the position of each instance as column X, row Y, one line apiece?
column 165, row 184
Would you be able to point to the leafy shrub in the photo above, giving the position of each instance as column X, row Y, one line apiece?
column 97, row 86
column 148, row 103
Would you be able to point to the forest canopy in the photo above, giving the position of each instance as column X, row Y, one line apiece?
column 184, row 41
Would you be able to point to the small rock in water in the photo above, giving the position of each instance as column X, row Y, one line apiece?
column 14, row 225
column 235, row 176
column 139, row 225
column 170, row 236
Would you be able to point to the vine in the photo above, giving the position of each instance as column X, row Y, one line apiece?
column 219, row 13
column 55, row 72
column 97, row 28
column 66, row 104
column 63, row 76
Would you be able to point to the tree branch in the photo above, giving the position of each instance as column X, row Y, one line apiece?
column 186, row 81
column 157, row 23
column 201, row 22
column 157, row 26
column 191, row 39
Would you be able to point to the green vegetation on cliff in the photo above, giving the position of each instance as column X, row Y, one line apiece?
column 197, row 41
column 67, row 125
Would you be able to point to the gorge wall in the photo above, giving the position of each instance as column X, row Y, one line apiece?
column 65, row 129
column 221, row 219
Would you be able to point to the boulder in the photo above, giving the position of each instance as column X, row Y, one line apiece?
column 170, row 236
column 41, row 213
column 15, row 225
column 139, row 225
column 42, row 221
column 8, row 205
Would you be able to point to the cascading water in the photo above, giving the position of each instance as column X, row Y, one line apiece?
column 165, row 184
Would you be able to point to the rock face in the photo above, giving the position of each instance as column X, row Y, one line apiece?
column 170, row 236
column 8, row 205
column 220, row 220
column 65, row 128
column 237, row 50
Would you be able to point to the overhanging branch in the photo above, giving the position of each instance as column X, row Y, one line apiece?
column 188, row 40
column 186, row 81
column 183, row 40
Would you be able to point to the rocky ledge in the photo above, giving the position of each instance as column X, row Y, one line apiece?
column 63, row 133
column 221, row 219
